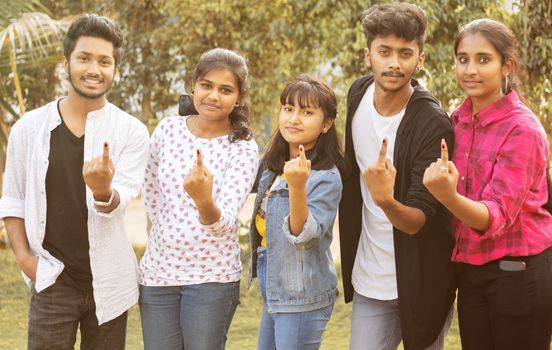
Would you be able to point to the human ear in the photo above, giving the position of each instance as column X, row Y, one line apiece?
column 327, row 125
column 367, row 57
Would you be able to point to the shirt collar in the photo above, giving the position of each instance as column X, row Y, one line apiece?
column 489, row 114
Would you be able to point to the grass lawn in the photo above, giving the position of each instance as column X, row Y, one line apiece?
column 14, row 302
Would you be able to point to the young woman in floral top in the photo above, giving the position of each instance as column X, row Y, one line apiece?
column 200, row 171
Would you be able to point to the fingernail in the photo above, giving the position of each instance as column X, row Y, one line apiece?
column 301, row 148
column 384, row 140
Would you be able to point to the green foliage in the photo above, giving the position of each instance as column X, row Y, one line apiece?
column 282, row 38
column 533, row 26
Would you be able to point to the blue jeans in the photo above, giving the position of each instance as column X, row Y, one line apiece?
column 58, row 311
column 194, row 317
column 376, row 325
column 294, row 330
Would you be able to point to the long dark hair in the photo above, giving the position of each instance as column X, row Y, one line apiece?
column 309, row 92
column 504, row 42
column 235, row 63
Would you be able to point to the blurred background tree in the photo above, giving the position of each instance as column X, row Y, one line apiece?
column 280, row 38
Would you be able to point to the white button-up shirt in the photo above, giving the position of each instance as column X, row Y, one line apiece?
column 112, row 259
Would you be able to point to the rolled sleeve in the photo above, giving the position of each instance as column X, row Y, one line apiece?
column 323, row 195
column 502, row 197
column 129, row 170
column 307, row 237
column 12, row 207
column 12, row 203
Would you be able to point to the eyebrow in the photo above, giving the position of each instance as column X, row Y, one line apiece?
column 383, row 46
column 91, row 54
column 477, row 53
column 223, row 85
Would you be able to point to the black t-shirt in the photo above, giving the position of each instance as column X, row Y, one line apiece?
column 66, row 212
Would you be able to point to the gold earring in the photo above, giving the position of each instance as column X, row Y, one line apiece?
column 237, row 104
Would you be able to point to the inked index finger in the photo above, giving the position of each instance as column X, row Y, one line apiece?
column 383, row 152
column 105, row 153
column 444, row 152
column 302, row 155
column 199, row 160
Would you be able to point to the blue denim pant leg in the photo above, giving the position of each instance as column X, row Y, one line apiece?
column 57, row 312
column 195, row 317
column 376, row 325
column 290, row 331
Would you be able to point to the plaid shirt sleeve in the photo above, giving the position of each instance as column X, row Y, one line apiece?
column 513, row 175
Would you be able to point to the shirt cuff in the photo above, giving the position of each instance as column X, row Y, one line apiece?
column 496, row 226
column 12, row 207
column 217, row 228
column 310, row 231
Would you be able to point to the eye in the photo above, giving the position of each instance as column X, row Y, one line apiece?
column 105, row 63
column 462, row 59
column 226, row 91
column 308, row 112
column 287, row 108
column 484, row 60
column 82, row 58
column 205, row 85
column 383, row 52
column 406, row 54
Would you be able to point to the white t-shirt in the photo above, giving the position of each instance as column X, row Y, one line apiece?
column 181, row 250
column 374, row 273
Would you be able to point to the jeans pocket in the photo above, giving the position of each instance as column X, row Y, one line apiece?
column 326, row 311
column 516, row 293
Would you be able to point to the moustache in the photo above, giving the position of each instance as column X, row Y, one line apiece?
column 393, row 74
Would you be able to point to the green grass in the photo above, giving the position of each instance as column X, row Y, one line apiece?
column 14, row 303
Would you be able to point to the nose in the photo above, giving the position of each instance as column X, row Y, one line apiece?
column 470, row 68
column 294, row 116
column 93, row 68
column 393, row 62
column 213, row 95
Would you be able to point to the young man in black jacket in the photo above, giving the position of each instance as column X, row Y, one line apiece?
column 395, row 237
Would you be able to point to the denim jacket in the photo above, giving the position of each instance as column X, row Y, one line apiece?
column 300, row 273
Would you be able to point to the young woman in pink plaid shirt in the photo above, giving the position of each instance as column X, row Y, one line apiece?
column 496, row 187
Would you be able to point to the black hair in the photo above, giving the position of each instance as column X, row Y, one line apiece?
column 96, row 26
column 503, row 40
column 314, row 93
column 235, row 63
column 403, row 20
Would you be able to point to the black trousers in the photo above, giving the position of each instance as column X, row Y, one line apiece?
column 501, row 310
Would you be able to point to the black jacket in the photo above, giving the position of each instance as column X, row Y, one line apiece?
column 426, row 277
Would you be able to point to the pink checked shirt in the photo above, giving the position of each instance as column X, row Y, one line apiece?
column 501, row 155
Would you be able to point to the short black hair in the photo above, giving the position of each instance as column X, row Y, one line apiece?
column 96, row 26
column 403, row 20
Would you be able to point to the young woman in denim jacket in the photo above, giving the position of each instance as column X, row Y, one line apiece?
column 291, row 232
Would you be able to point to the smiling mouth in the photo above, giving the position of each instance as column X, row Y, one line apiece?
column 92, row 81
column 211, row 106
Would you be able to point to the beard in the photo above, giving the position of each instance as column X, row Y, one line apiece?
column 82, row 93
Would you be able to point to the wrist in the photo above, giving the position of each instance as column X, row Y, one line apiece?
column 103, row 195
column 449, row 200
column 204, row 203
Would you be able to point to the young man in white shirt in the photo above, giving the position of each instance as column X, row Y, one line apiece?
column 73, row 166
column 395, row 237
